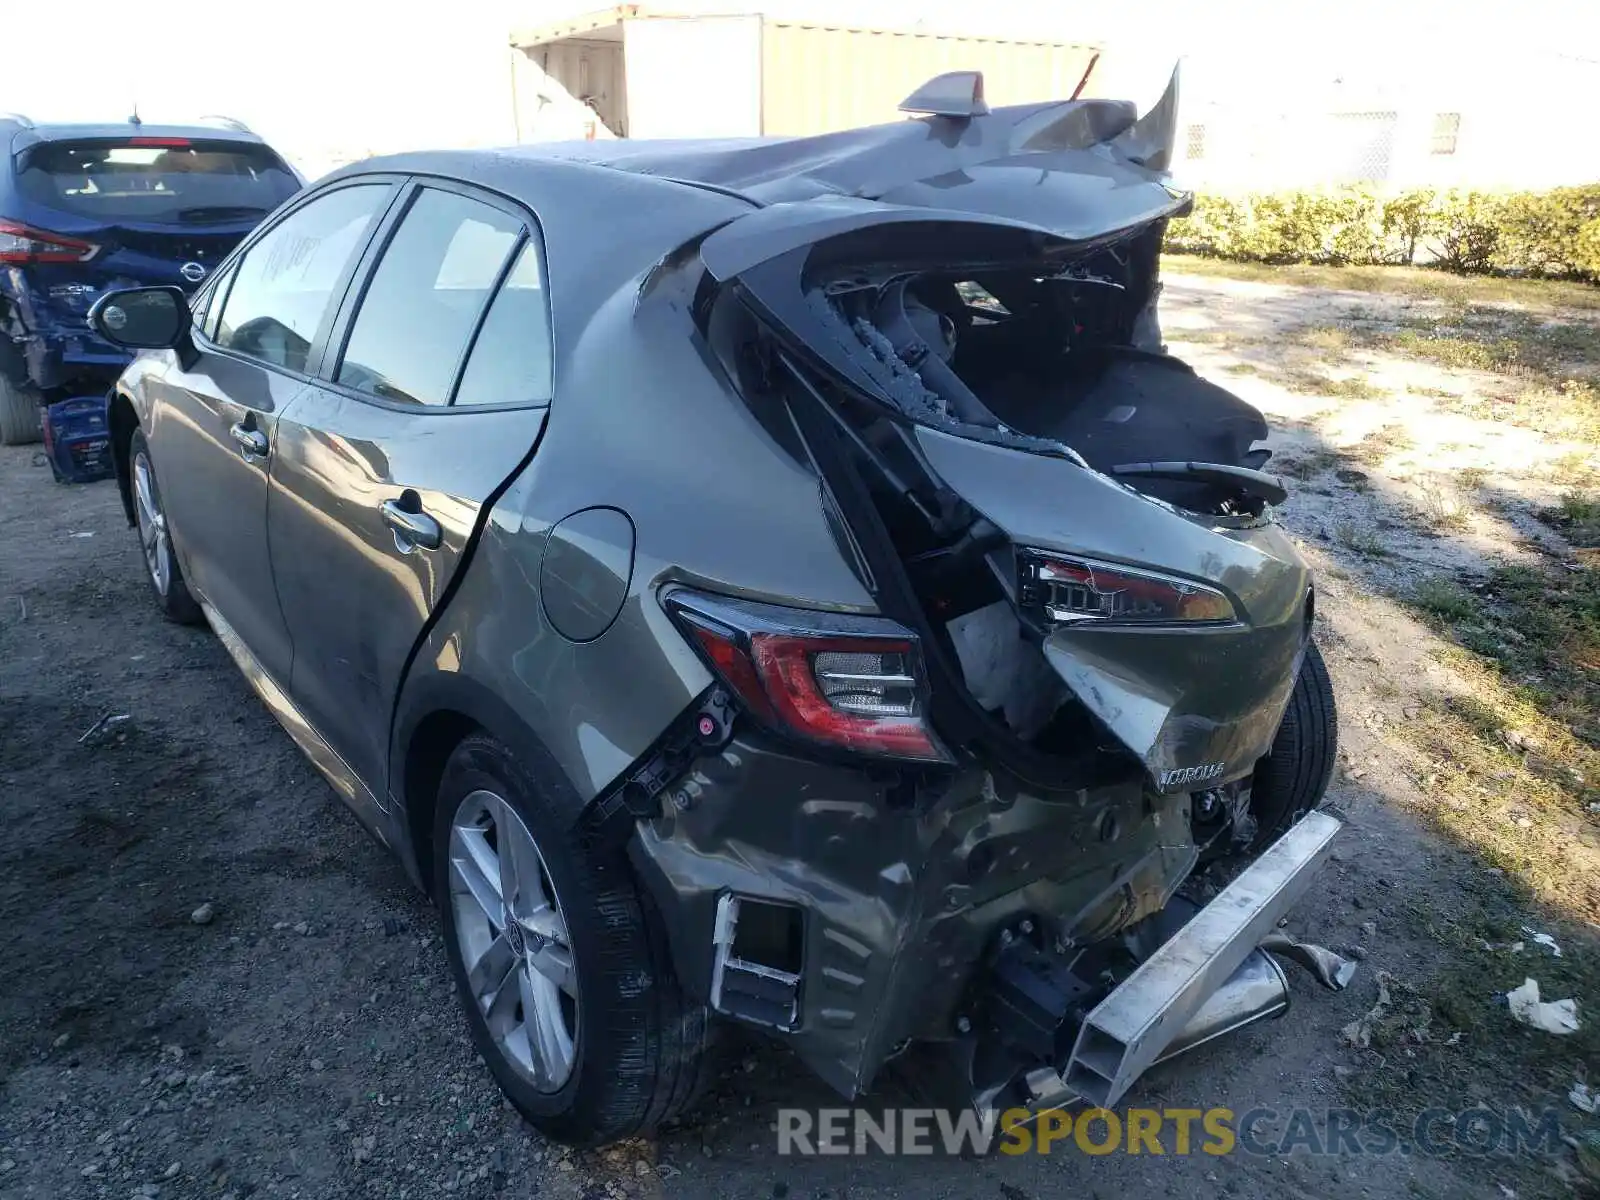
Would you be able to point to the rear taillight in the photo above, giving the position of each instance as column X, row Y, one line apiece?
column 855, row 683
column 21, row 244
column 1071, row 590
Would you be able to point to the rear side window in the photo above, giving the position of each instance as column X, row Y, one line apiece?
column 177, row 180
column 510, row 361
column 283, row 286
column 426, row 296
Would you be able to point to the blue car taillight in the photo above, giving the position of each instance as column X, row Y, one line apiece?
column 22, row 244
column 854, row 683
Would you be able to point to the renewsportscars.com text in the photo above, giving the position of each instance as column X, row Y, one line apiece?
column 1338, row 1132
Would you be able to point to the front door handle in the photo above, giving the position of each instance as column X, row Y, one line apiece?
column 252, row 443
column 412, row 530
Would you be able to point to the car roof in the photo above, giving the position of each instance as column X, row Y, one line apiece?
column 864, row 163
column 24, row 133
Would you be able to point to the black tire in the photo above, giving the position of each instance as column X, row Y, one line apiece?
column 172, row 594
column 21, row 419
column 641, row 1046
column 1292, row 779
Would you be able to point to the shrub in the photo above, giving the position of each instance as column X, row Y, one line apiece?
column 1535, row 233
column 1466, row 230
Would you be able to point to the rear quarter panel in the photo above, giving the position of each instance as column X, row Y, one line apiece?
column 642, row 422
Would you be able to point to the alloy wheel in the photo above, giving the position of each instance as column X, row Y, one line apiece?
column 152, row 523
column 513, row 940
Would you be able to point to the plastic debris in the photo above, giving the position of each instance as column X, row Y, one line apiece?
column 1583, row 1099
column 1401, row 1016
column 103, row 726
column 1542, row 939
column 1559, row 1017
column 1331, row 970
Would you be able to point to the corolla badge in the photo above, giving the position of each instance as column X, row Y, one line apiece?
column 114, row 317
column 1179, row 776
column 192, row 271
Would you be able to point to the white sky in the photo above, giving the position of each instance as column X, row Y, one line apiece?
column 321, row 77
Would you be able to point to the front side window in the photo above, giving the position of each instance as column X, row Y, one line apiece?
column 510, row 361
column 284, row 285
column 207, row 307
column 426, row 296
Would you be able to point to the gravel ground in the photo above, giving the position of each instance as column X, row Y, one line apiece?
column 216, row 985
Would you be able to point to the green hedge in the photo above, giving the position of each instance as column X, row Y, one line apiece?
column 1554, row 233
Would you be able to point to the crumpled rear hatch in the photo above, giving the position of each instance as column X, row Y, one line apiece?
column 1077, row 524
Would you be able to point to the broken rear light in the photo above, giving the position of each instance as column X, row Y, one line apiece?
column 20, row 244
column 1075, row 590
column 855, row 683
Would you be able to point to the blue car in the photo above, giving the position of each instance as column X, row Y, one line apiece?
column 88, row 208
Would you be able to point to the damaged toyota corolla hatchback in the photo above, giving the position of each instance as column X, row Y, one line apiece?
column 783, row 582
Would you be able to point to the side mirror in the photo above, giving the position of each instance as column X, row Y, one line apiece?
column 147, row 318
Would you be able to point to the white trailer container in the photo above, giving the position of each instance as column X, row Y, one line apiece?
column 649, row 74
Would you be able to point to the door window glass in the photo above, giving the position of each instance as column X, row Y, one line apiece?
column 209, row 309
column 425, row 298
column 510, row 361
column 284, row 284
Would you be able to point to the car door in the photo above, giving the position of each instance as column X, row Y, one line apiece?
column 432, row 397
column 214, row 414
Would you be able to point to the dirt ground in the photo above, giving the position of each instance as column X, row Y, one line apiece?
column 305, row 1042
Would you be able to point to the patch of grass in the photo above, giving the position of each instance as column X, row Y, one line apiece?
column 1355, row 387
column 1457, row 353
column 1358, row 539
column 1571, row 409
column 1432, row 393
column 1307, row 382
column 1507, row 758
column 1440, row 505
column 1547, row 361
column 1494, row 339
column 1577, row 516
column 1500, row 778
column 1575, row 469
column 1446, row 1041
column 1324, row 337
column 1514, row 755
column 1472, row 478
column 1444, row 597
column 1306, row 466
column 1422, row 282
column 1201, row 337
column 1302, row 381
column 1242, row 368
column 1381, row 445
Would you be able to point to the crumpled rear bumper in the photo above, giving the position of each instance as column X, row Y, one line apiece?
column 900, row 886
column 53, row 339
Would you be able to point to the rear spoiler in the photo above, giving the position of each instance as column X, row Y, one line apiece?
column 958, row 95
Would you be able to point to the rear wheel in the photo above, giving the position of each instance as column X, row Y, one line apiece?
column 20, row 421
column 1292, row 779
column 559, row 962
column 150, row 517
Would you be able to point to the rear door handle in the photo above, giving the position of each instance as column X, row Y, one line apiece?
column 412, row 530
column 251, row 442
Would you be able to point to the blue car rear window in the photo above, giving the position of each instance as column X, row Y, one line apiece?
column 168, row 180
